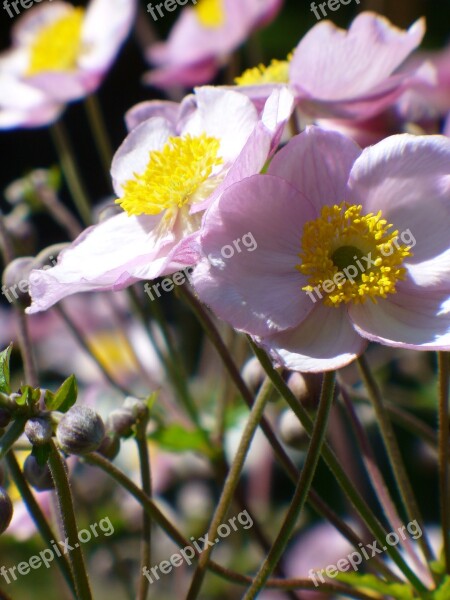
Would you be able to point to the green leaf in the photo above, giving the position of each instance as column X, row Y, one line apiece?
column 175, row 438
column 41, row 454
column 397, row 591
column 64, row 398
column 443, row 593
column 4, row 370
column 28, row 396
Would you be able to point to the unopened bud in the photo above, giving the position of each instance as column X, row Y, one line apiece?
column 16, row 280
column 306, row 388
column 6, row 510
column 39, row 431
column 253, row 374
column 38, row 476
column 47, row 257
column 121, row 421
column 110, row 446
column 138, row 408
column 80, row 431
column 292, row 431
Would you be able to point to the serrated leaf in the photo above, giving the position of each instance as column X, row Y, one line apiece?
column 41, row 454
column 64, row 398
column 175, row 438
column 5, row 356
column 397, row 591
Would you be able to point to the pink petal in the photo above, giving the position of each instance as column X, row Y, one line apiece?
column 318, row 164
column 416, row 319
column 333, row 64
column 188, row 76
column 325, row 340
column 32, row 21
column 257, row 290
column 152, row 108
column 408, row 178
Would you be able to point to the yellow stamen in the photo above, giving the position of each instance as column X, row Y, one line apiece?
column 276, row 72
column 173, row 175
column 210, row 13
column 360, row 247
column 58, row 45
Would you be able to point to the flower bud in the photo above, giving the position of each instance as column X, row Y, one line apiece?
column 16, row 281
column 47, row 257
column 138, row 408
column 39, row 477
column 253, row 374
column 6, row 510
column 120, row 422
column 39, row 431
column 306, row 388
column 80, row 431
column 110, row 446
column 292, row 431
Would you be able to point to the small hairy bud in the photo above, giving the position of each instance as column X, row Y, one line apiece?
column 253, row 374
column 306, row 388
column 80, row 431
column 120, row 422
column 110, row 446
column 6, row 510
column 291, row 431
column 138, row 408
column 39, row 477
column 39, row 431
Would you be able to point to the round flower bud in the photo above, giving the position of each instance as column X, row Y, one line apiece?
column 39, row 477
column 120, row 422
column 253, row 374
column 306, row 388
column 6, row 510
column 110, row 447
column 16, row 281
column 292, row 432
column 39, row 431
column 5, row 417
column 138, row 408
column 80, row 431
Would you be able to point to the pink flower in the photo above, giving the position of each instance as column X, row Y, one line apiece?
column 342, row 74
column 166, row 173
column 203, row 38
column 352, row 246
column 59, row 54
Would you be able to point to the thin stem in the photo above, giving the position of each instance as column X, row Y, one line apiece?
column 37, row 515
column 67, row 511
column 444, row 483
column 71, row 171
column 148, row 504
column 333, row 464
column 315, row 500
column 29, row 363
column 98, row 126
column 395, row 457
column 144, row 464
column 58, row 211
column 302, row 489
column 230, row 485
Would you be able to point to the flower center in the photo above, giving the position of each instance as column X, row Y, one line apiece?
column 57, row 46
column 172, row 176
column 350, row 257
column 210, row 13
column 276, row 72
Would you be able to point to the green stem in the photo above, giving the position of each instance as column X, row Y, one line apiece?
column 71, row 171
column 67, row 512
column 302, row 489
column 37, row 515
column 101, row 137
column 13, row 433
column 395, row 457
column 144, row 463
column 333, row 464
column 444, row 483
column 230, row 485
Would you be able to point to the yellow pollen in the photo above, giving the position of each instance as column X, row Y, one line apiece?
column 350, row 257
column 276, row 72
column 172, row 176
column 58, row 45
column 210, row 13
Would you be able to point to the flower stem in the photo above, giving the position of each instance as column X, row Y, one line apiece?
column 71, row 171
column 395, row 458
column 302, row 489
column 37, row 515
column 444, row 454
column 144, row 464
column 102, row 141
column 67, row 511
column 333, row 464
column 231, row 483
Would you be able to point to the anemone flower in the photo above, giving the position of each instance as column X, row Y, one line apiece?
column 59, row 53
column 342, row 74
column 203, row 38
column 352, row 246
column 164, row 175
